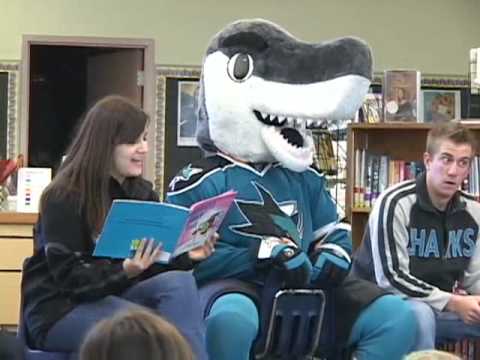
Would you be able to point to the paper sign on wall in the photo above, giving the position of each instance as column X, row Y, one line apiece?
column 31, row 183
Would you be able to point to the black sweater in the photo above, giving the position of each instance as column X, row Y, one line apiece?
column 62, row 272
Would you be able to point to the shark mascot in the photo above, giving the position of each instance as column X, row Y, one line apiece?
column 261, row 92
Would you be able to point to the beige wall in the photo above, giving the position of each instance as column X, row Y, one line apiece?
column 430, row 35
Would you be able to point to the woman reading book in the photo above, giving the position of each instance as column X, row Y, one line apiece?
column 65, row 289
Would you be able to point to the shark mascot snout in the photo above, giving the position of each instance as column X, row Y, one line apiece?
column 262, row 93
column 273, row 88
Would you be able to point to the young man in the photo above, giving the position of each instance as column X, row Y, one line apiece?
column 421, row 241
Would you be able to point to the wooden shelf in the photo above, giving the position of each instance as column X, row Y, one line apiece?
column 16, row 244
column 473, row 124
column 361, row 210
column 8, row 217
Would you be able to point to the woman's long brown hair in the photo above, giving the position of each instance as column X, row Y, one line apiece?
column 87, row 167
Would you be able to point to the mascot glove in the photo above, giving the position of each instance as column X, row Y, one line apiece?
column 294, row 263
column 331, row 265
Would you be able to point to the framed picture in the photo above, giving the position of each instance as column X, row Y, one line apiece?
column 186, row 116
column 175, row 119
column 469, row 103
column 440, row 105
column 9, row 92
column 401, row 90
column 474, row 72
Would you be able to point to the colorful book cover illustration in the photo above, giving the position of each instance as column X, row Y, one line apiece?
column 179, row 229
column 371, row 110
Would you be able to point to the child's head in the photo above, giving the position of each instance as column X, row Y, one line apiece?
column 135, row 334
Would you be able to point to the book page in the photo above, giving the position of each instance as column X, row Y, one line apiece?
column 178, row 229
column 205, row 218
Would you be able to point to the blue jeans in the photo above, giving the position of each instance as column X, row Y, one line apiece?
column 172, row 294
column 439, row 326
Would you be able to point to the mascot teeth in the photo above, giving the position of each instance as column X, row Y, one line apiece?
column 290, row 155
column 281, row 120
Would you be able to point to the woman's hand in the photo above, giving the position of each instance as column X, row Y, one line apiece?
column 202, row 252
column 145, row 256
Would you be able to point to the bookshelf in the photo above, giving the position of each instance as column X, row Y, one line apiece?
column 399, row 141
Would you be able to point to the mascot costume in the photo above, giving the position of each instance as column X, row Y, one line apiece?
column 261, row 91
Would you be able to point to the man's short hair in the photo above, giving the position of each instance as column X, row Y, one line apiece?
column 454, row 131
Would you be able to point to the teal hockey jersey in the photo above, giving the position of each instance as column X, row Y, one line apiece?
column 305, row 210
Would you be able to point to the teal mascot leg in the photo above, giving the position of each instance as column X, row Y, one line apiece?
column 386, row 329
column 232, row 326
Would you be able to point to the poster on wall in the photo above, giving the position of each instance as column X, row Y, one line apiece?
column 186, row 115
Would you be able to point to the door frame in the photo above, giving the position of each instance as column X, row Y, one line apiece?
column 148, row 45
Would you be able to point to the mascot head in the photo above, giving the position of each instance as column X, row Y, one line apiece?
column 262, row 89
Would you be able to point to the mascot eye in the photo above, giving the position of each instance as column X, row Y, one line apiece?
column 240, row 67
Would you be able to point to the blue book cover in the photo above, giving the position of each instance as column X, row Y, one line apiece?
column 179, row 229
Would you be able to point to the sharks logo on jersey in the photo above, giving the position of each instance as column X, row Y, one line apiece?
column 185, row 174
column 267, row 217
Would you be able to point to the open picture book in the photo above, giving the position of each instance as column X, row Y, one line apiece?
column 179, row 229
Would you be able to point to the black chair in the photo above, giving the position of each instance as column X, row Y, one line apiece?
column 290, row 319
column 293, row 325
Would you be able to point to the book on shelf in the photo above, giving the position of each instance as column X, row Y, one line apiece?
column 363, row 161
column 401, row 95
column 471, row 184
column 371, row 110
column 383, row 179
column 357, row 185
column 375, row 185
column 325, row 156
column 178, row 229
column 374, row 173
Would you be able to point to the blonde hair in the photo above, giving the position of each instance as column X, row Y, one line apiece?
column 449, row 130
column 431, row 355
column 135, row 334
